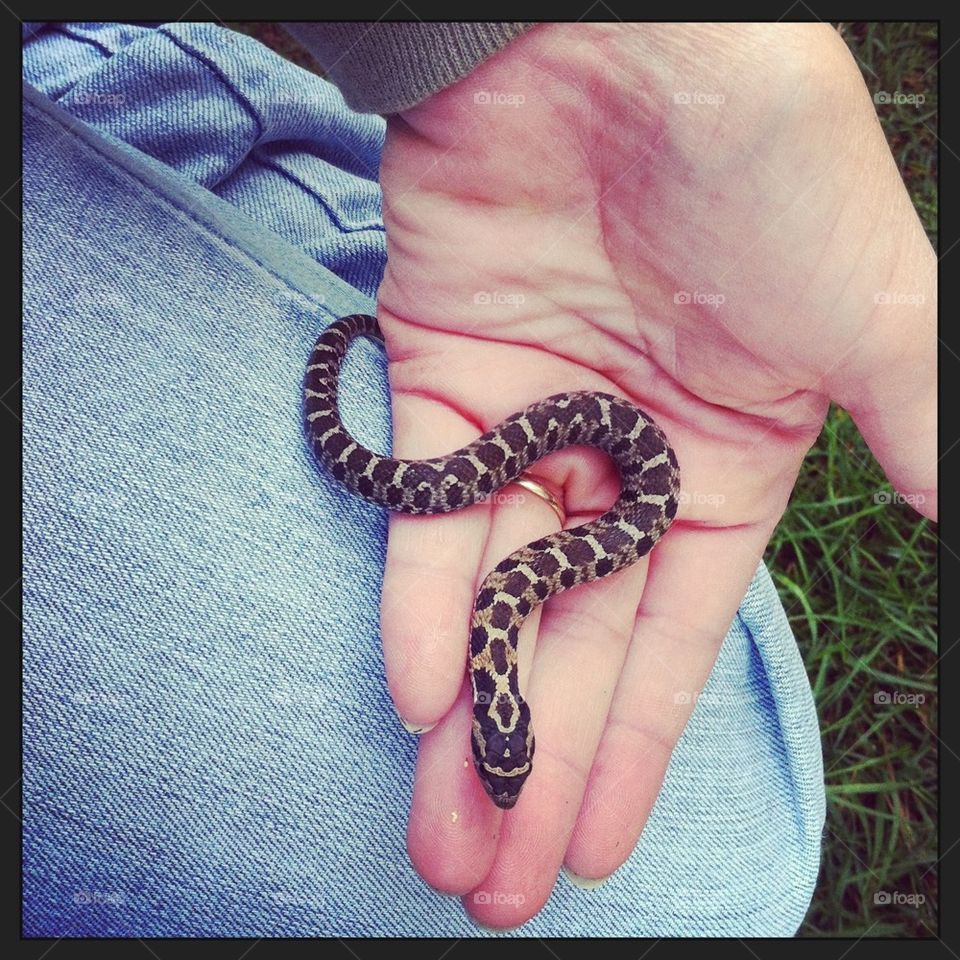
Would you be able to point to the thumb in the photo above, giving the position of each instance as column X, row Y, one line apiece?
column 890, row 385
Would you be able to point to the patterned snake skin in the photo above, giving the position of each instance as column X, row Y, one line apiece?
column 503, row 742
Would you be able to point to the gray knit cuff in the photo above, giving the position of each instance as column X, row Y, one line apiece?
column 387, row 67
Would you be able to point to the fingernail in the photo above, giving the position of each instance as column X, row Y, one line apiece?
column 416, row 728
column 585, row 883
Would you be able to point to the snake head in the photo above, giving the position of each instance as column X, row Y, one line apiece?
column 502, row 753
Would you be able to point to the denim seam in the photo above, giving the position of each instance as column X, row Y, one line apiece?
column 802, row 814
column 220, row 74
column 157, row 192
column 321, row 200
column 89, row 41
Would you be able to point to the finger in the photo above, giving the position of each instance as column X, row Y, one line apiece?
column 432, row 568
column 889, row 381
column 897, row 413
column 453, row 827
column 583, row 639
column 431, row 574
column 696, row 580
column 451, row 836
column 430, row 577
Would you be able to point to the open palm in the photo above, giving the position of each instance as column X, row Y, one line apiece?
column 721, row 240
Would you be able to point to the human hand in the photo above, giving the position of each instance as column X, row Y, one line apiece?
column 730, row 265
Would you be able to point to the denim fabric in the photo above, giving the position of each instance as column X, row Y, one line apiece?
column 209, row 746
column 270, row 138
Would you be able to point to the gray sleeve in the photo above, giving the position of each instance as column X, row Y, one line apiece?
column 388, row 66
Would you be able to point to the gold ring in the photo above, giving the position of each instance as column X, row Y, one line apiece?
column 537, row 488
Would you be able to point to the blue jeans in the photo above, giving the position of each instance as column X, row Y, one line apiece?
column 209, row 746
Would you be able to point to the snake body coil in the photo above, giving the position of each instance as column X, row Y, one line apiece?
column 503, row 741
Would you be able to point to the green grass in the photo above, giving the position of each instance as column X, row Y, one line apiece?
column 858, row 579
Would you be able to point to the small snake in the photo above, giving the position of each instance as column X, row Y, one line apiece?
column 503, row 742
